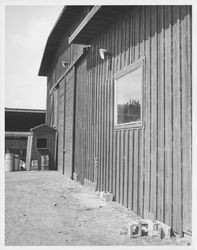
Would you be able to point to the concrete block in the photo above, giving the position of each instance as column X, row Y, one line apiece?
column 157, row 228
column 144, row 228
column 106, row 196
column 165, row 231
column 134, row 230
column 156, row 231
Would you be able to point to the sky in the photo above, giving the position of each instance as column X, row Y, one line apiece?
column 26, row 31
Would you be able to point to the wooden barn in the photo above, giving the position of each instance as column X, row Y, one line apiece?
column 119, row 93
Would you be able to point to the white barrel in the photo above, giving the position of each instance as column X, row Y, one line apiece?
column 9, row 162
column 16, row 162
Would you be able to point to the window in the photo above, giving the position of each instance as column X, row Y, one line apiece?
column 41, row 143
column 128, row 95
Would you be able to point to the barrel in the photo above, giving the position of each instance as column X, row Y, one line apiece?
column 9, row 162
column 16, row 162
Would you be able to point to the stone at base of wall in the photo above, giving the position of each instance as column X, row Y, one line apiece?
column 157, row 228
column 134, row 230
column 108, row 197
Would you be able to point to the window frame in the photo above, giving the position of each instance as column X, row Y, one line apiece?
column 41, row 138
column 128, row 69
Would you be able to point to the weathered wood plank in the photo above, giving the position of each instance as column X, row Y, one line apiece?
column 102, row 142
column 153, row 191
column 122, row 168
column 127, row 40
column 131, row 52
column 118, row 167
column 186, row 116
column 106, row 152
column 99, row 118
column 141, row 31
column 147, row 111
column 114, row 162
column 119, row 46
column 116, row 49
column 136, row 32
column 111, row 132
column 177, row 164
column 122, row 63
column 135, row 173
column 126, row 166
column 168, row 117
column 141, row 173
column 108, row 134
column 60, row 126
column 130, row 189
column 91, row 124
column 68, row 126
column 161, row 111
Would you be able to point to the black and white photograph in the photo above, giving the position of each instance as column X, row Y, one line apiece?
column 97, row 130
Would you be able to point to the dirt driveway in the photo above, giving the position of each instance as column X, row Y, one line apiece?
column 45, row 208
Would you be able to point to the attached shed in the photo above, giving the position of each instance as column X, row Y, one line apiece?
column 18, row 122
column 119, row 93
column 41, row 148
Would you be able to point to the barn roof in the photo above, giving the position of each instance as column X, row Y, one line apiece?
column 96, row 21
column 63, row 22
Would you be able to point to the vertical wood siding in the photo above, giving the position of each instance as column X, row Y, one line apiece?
column 68, row 127
column 61, row 126
column 147, row 168
column 81, row 129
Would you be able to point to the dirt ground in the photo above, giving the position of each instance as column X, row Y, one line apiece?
column 46, row 209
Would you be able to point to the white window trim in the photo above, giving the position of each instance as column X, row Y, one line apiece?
column 128, row 69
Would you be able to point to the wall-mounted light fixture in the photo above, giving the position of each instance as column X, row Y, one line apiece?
column 103, row 53
column 64, row 64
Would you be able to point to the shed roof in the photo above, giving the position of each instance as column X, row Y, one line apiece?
column 16, row 134
column 41, row 126
column 20, row 110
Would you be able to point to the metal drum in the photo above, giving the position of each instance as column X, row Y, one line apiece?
column 9, row 162
column 16, row 162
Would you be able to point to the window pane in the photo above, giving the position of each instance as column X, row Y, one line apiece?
column 129, row 97
column 41, row 143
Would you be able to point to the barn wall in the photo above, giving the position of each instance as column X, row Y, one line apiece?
column 147, row 168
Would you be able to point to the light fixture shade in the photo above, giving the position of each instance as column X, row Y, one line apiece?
column 64, row 64
column 103, row 53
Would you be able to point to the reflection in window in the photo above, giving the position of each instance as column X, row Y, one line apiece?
column 129, row 97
